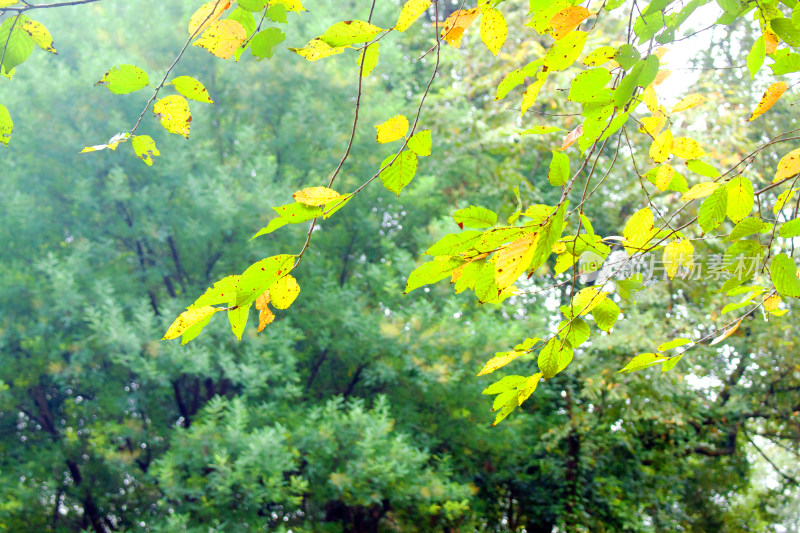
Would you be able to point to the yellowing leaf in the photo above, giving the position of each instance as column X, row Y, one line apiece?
column 6, row 125
column 265, row 315
column 125, row 79
column 455, row 25
column 661, row 147
column 283, row 292
column 602, row 55
column 112, row 144
column 420, row 143
column 369, row 56
column 532, row 92
column 187, row 319
column 664, row 176
column 410, row 13
column 562, row 54
column 587, row 299
column 173, row 112
column 687, row 148
column 650, row 99
column 222, row 38
column 700, row 190
column 206, row 15
column 290, row 5
column 769, row 98
column 493, row 30
column 567, row 20
column 740, row 198
column 514, row 259
column 678, row 253
column 653, row 125
column 393, row 129
column 771, row 303
column 571, row 137
column 316, row 196
column 727, row 334
column 688, row 102
column 191, row 88
column 317, row 49
column 529, row 387
column 661, row 76
column 788, row 166
column 644, row 360
column 499, row 361
column 145, row 148
column 639, row 228
column 39, row 34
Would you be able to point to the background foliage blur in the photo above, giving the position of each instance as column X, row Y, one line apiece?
column 358, row 410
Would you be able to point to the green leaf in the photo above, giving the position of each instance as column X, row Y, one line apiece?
column 187, row 319
column 713, row 210
column 783, row 273
column 558, row 174
column 223, row 292
column 191, row 88
column 549, row 235
column 642, row 361
column 670, row 363
column 740, row 198
column 790, row 229
column 253, row 5
column 125, row 79
column 475, row 217
column 16, row 42
column 245, row 18
column 554, row 357
column 785, row 62
column 145, row 148
column 265, row 43
column 786, row 30
column 238, row 319
column 576, row 331
column 370, row 58
column 701, row 167
column 563, row 53
column 747, row 227
column 756, row 57
column 400, row 173
column 730, row 6
column 674, row 343
column 606, row 314
column 432, row 271
column 588, row 86
column 420, row 143
column 277, row 13
column 455, row 243
column 6, row 125
column 259, row 276
column 349, row 32
column 627, row 56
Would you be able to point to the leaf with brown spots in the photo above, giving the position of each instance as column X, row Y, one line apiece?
column 223, row 38
column 173, row 112
column 514, row 259
column 455, row 25
column 788, row 166
column 771, row 95
column 191, row 88
column 187, row 319
column 567, row 20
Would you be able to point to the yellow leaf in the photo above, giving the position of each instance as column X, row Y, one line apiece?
column 145, row 148
column 206, row 15
column 678, row 253
column 602, row 55
column 664, row 176
column 393, row 129
column 653, row 125
column 350, row 32
column 769, row 98
column 187, row 319
column 661, row 76
column 587, row 299
column 661, row 147
column 493, row 30
column 317, row 49
column 410, row 13
column 687, row 148
column 532, row 92
column 283, row 292
column 6, row 3
column 567, row 20
column 688, row 102
column 788, row 166
column 639, row 228
column 455, row 25
column 700, row 190
column 771, row 303
column 173, row 112
column 265, row 316
column 316, row 196
column 771, row 41
column 290, row 5
column 499, row 361
column 514, row 259
column 39, row 34
column 222, row 38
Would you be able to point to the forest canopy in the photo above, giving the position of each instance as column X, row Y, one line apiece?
column 608, row 187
